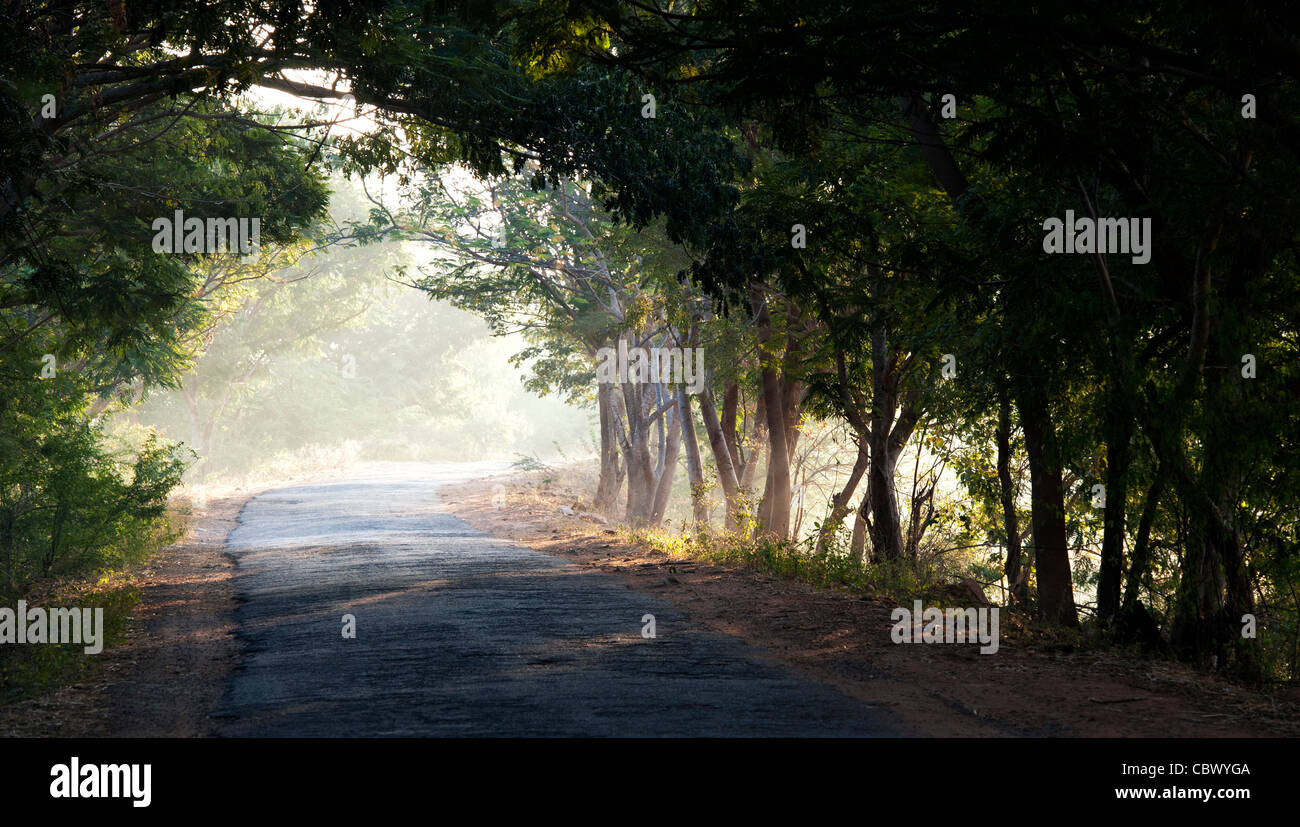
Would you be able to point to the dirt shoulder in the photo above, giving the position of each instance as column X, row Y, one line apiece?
column 1025, row 689
column 169, row 674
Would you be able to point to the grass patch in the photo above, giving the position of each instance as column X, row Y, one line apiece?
column 832, row 567
column 35, row 669
column 29, row 670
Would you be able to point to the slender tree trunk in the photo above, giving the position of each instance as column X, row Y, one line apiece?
column 858, row 541
column 886, row 529
column 660, row 428
column 1119, row 437
column 722, row 458
column 774, row 510
column 694, row 465
column 730, row 409
column 757, row 439
column 56, row 536
column 887, row 442
column 1056, row 596
column 840, row 501
column 641, row 478
column 1217, row 552
column 1047, row 495
column 664, row 484
column 1017, row 581
column 1141, row 557
column 611, row 479
column 640, row 483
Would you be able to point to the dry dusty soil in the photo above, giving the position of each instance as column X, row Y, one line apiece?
column 170, row 673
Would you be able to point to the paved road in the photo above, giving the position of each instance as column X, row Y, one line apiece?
column 459, row 634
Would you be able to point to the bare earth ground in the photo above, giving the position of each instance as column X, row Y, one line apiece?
column 1024, row 689
column 169, row 674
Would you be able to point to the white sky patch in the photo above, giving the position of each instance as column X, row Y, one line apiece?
column 348, row 120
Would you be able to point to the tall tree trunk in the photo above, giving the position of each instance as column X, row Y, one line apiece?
column 1017, row 581
column 664, row 484
column 1047, row 495
column 637, row 457
column 858, row 541
column 774, row 510
column 1216, row 589
column 1141, row 557
column 1056, row 596
column 647, row 467
column 886, row 528
column 694, row 465
column 1119, row 436
column 722, row 458
column 56, row 536
column 611, row 477
column 888, row 439
column 730, row 409
column 748, row 468
column 660, row 428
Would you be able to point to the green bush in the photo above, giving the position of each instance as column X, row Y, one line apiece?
column 68, row 504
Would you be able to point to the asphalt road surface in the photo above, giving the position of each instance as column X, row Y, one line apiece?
column 462, row 635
